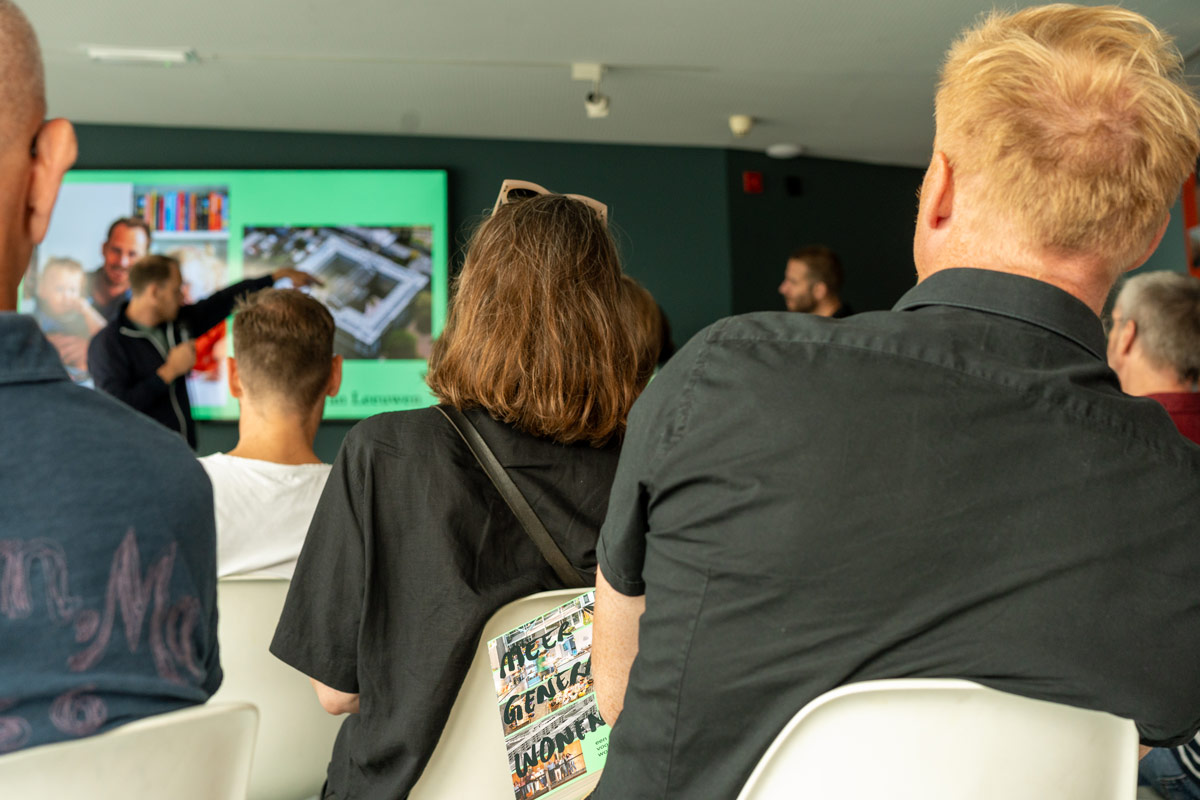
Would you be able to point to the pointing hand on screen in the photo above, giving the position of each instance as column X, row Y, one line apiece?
column 299, row 279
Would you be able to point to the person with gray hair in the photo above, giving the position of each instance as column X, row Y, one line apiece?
column 1154, row 344
column 107, row 541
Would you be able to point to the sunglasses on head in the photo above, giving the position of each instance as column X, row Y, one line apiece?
column 512, row 191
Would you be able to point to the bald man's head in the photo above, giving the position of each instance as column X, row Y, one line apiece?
column 34, row 154
column 22, row 82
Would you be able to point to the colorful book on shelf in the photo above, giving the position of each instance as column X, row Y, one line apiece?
column 214, row 211
column 557, row 742
column 183, row 212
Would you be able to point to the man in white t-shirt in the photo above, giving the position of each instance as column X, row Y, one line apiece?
column 266, row 488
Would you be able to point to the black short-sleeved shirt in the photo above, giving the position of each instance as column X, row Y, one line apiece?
column 955, row 488
column 410, row 550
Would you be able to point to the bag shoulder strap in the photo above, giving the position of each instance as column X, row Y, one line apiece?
column 516, row 501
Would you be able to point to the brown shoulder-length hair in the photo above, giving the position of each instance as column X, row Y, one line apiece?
column 539, row 330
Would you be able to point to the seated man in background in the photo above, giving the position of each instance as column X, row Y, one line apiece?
column 1154, row 344
column 143, row 355
column 954, row 488
column 266, row 488
column 812, row 282
column 107, row 573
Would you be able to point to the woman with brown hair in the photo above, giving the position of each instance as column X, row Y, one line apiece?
column 411, row 547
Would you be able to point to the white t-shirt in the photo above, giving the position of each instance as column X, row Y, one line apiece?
column 263, row 510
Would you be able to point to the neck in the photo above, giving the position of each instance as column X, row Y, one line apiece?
column 142, row 313
column 1087, row 279
column 1145, row 379
column 107, row 287
column 283, row 437
column 827, row 306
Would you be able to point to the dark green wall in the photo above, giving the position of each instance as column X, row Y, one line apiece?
column 667, row 204
column 865, row 212
column 684, row 226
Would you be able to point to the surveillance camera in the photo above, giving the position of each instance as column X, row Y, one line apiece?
column 596, row 105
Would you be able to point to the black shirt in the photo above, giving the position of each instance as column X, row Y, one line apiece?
column 411, row 549
column 955, row 488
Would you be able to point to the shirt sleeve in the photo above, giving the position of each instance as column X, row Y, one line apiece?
column 205, row 314
column 1155, row 736
column 657, row 420
column 318, row 631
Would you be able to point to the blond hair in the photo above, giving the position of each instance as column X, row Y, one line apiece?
column 1073, row 123
column 63, row 264
column 540, row 332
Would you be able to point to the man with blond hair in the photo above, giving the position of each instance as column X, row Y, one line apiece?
column 266, row 489
column 954, row 488
column 107, row 567
column 1154, row 345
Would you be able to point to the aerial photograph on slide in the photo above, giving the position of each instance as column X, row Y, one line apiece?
column 376, row 282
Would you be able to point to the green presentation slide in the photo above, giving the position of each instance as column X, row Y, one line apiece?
column 376, row 239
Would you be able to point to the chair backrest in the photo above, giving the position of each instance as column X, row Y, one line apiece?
column 198, row 753
column 936, row 739
column 474, row 725
column 295, row 735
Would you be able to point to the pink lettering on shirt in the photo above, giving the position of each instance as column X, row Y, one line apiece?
column 132, row 595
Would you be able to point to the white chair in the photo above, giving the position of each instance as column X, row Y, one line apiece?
column 470, row 759
column 295, row 735
column 937, row 739
column 198, row 753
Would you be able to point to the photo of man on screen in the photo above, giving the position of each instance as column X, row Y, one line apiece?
column 128, row 240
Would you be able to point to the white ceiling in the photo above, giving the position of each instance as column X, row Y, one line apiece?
column 845, row 78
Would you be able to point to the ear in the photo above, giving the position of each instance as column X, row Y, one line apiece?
column 1125, row 337
column 1153, row 244
column 235, row 380
column 335, row 377
column 820, row 291
column 55, row 149
column 937, row 193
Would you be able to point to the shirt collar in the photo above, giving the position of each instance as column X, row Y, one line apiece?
column 1015, row 296
column 25, row 355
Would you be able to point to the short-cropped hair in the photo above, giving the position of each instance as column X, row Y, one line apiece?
column 1073, row 123
column 283, row 343
column 1166, row 308
column 150, row 270
column 129, row 222
column 539, row 329
column 823, row 265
